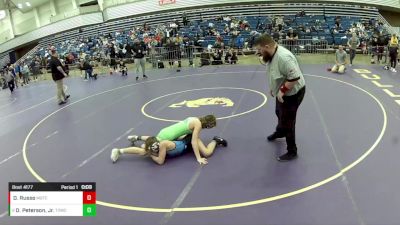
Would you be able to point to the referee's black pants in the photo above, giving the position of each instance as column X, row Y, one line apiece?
column 286, row 113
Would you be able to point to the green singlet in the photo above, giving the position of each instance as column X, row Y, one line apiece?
column 175, row 131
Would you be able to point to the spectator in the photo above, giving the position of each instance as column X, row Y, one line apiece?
column 217, row 56
column 341, row 57
column 113, row 56
column 189, row 49
column 204, row 58
column 185, row 19
column 9, row 79
column 276, row 35
column 382, row 42
column 18, row 74
column 279, row 22
column 292, row 38
column 234, row 58
column 177, row 41
column 393, row 52
column 25, row 73
column 353, row 44
column 228, row 56
column 373, row 43
column 14, row 74
column 235, row 34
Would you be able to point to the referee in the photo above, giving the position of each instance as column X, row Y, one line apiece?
column 58, row 73
column 287, row 83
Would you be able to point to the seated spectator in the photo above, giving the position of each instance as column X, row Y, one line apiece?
column 88, row 68
column 228, row 56
column 226, row 29
column 217, row 57
column 234, row 58
column 204, row 58
column 341, row 61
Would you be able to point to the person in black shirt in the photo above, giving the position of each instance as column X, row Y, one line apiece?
column 139, row 48
column 204, row 58
column 217, row 56
column 373, row 42
column 185, row 19
column 234, row 58
column 128, row 51
column 381, row 42
column 58, row 74
column 113, row 56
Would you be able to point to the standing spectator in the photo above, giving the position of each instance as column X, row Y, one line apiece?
column 185, row 19
column 276, row 35
column 373, row 43
column 189, row 49
column 279, row 22
column 25, row 73
column 341, row 57
column 393, row 51
column 9, row 79
column 235, row 34
column 382, row 42
column 58, row 75
column 17, row 70
column 88, row 68
column 287, row 83
column 353, row 43
column 128, row 49
column 113, row 56
column 292, row 38
column 139, row 48
column 14, row 74
column 177, row 41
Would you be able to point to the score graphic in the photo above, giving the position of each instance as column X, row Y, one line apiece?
column 52, row 199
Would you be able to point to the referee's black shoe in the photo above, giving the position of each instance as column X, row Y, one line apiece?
column 287, row 157
column 274, row 136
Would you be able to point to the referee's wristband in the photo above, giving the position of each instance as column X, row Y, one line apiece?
column 284, row 89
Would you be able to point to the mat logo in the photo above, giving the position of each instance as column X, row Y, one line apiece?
column 224, row 102
column 375, row 79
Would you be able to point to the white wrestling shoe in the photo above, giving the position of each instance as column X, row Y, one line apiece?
column 133, row 138
column 115, row 154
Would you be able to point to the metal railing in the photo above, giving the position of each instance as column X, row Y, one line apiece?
column 28, row 54
column 299, row 46
column 389, row 27
column 172, row 55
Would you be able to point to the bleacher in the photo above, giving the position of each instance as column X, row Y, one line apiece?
column 4, row 59
column 254, row 14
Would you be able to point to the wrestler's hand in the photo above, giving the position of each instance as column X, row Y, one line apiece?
column 202, row 161
column 280, row 96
